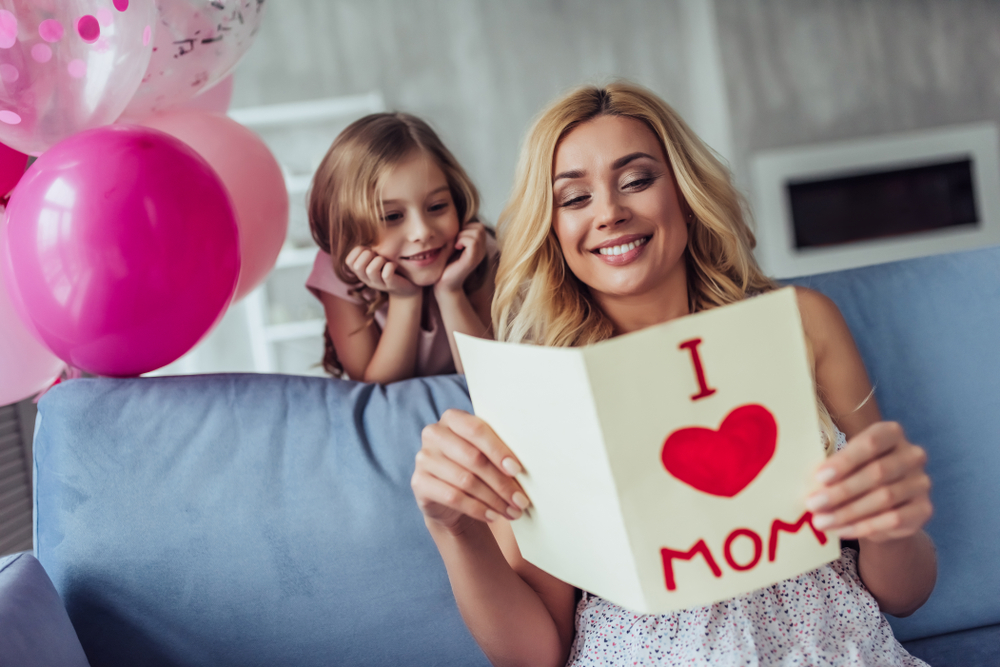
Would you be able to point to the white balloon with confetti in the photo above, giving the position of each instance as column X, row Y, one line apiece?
column 68, row 66
column 197, row 44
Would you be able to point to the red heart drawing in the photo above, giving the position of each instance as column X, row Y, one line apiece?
column 723, row 462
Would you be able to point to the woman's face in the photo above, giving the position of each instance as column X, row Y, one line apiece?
column 618, row 217
column 419, row 219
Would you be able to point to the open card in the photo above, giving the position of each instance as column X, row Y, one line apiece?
column 668, row 468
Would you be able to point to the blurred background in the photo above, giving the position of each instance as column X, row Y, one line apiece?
column 752, row 77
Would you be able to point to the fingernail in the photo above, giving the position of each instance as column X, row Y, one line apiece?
column 821, row 521
column 513, row 513
column 817, row 502
column 826, row 475
column 521, row 500
column 511, row 466
column 491, row 516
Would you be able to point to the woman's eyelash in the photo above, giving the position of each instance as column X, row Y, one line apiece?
column 641, row 181
column 573, row 200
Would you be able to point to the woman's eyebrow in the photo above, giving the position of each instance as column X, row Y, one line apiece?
column 617, row 164
column 622, row 161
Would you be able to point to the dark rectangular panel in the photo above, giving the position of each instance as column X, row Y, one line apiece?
column 872, row 205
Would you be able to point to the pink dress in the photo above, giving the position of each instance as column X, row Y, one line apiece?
column 433, row 350
column 825, row 617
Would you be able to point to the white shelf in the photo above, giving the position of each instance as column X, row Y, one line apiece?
column 310, row 110
column 276, row 333
column 308, row 117
column 290, row 258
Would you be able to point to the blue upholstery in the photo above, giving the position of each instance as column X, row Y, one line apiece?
column 245, row 520
column 929, row 332
column 36, row 632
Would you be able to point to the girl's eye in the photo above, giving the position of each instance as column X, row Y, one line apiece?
column 440, row 206
column 392, row 218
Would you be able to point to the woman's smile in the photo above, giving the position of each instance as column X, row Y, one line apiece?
column 623, row 250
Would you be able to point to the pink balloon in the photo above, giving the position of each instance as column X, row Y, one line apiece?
column 26, row 366
column 63, row 71
column 123, row 249
column 12, row 166
column 251, row 175
column 216, row 98
column 196, row 44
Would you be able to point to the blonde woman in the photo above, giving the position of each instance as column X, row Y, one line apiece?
column 403, row 262
column 622, row 218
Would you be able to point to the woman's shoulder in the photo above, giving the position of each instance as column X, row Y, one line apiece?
column 820, row 315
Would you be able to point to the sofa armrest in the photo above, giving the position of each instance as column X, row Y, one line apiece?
column 34, row 627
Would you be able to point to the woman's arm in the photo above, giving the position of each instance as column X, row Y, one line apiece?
column 464, row 484
column 875, row 489
column 466, row 313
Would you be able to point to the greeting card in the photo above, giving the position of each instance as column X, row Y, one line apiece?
column 668, row 468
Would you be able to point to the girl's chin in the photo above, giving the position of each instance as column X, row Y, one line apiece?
column 423, row 278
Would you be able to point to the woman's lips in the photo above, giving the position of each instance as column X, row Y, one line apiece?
column 629, row 248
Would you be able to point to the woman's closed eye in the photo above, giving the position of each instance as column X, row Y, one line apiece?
column 637, row 182
column 574, row 199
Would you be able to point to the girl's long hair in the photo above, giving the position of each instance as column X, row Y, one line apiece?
column 538, row 299
column 344, row 198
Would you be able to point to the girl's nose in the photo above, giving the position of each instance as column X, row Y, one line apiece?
column 418, row 229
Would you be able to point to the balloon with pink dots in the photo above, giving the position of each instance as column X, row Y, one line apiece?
column 69, row 65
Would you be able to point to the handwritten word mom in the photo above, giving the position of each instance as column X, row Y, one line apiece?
column 701, row 549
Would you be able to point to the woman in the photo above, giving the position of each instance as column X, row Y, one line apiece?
column 621, row 219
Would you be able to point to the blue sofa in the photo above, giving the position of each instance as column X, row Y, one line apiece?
column 268, row 520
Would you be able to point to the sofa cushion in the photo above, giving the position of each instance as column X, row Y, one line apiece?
column 929, row 332
column 245, row 520
column 36, row 630
column 968, row 648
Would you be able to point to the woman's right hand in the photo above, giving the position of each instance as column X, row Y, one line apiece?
column 378, row 273
column 465, row 472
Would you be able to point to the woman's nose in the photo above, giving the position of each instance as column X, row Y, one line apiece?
column 609, row 211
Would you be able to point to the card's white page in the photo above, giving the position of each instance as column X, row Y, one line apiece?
column 538, row 401
column 751, row 354
column 590, row 426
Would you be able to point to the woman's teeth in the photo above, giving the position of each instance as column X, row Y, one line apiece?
column 622, row 249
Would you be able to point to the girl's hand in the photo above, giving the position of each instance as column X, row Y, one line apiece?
column 465, row 472
column 471, row 241
column 875, row 488
column 378, row 273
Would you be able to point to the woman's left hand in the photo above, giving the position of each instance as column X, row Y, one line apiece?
column 875, row 488
column 471, row 241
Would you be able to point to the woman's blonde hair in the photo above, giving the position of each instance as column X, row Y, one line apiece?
column 539, row 300
column 345, row 200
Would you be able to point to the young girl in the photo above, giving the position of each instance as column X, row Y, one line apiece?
column 403, row 263
column 621, row 218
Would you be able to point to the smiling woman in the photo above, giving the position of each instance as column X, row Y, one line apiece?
column 621, row 218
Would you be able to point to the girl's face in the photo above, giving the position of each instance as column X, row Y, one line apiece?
column 419, row 219
column 619, row 220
